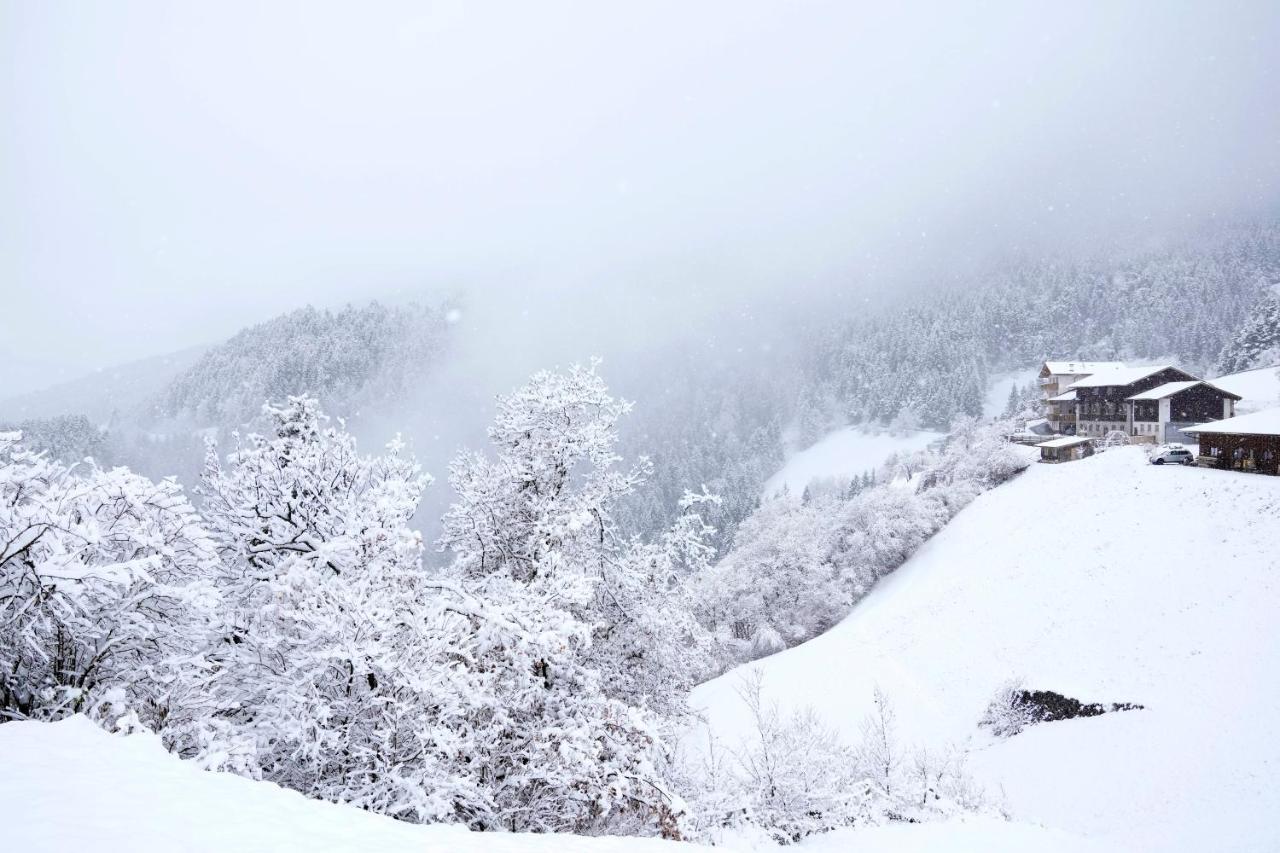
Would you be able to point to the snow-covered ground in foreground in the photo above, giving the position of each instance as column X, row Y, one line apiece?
column 1106, row 580
column 968, row 835
column 1260, row 388
column 71, row 786
column 846, row 452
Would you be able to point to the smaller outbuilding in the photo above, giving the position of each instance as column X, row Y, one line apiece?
column 1066, row 449
column 1243, row 443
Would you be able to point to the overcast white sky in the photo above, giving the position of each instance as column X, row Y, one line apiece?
column 172, row 172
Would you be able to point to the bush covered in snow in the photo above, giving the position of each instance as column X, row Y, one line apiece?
column 799, row 565
column 1014, row 708
column 792, row 776
column 103, row 592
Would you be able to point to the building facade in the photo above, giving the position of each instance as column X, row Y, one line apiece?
column 1055, row 378
column 1102, row 400
column 1161, row 414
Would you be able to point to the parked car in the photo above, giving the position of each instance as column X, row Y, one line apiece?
column 1172, row 454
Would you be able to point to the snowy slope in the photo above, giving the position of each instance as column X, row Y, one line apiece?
column 998, row 389
column 1260, row 388
column 71, row 786
column 962, row 835
column 1106, row 580
column 846, row 452
column 853, row 451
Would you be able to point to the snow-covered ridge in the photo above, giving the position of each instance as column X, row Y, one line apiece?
column 1107, row 580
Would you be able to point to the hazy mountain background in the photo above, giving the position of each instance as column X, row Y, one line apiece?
column 729, row 393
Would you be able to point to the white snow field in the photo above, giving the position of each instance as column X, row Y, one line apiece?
column 963, row 835
column 71, row 786
column 1106, row 580
column 1260, row 388
column 845, row 452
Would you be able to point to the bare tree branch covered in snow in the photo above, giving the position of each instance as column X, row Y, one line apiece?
column 791, row 776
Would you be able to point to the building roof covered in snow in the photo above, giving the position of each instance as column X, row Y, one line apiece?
column 1258, row 388
column 1258, row 423
column 1065, row 441
column 1168, row 389
column 1122, row 376
column 1079, row 368
column 1064, row 397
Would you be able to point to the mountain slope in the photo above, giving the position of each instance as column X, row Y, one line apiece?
column 370, row 353
column 120, row 389
column 1106, row 580
column 932, row 353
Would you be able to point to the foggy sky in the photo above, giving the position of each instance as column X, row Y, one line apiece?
column 173, row 172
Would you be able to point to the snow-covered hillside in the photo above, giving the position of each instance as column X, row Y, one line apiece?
column 1260, row 388
column 71, row 786
column 1105, row 580
column 844, row 453
column 853, row 451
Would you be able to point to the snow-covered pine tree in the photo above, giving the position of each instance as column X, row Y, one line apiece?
column 1257, row 344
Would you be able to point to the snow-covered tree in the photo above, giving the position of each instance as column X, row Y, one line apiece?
column 337, row 670
column 1257, row 343
column 790, row 775
column 795, row 775
column 64, row 438
column 779, row 585
column 606, row 633
column 102, row 600
column 542, row 513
